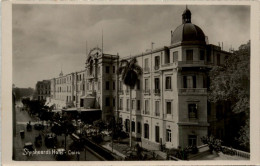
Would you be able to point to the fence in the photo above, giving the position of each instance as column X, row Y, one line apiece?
column 231, row 151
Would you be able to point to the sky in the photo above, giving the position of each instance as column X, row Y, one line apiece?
column 48, row 38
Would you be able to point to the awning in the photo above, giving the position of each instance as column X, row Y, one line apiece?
column 88, row 109
column 88, row 96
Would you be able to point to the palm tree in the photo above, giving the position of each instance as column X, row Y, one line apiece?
column 130, row 71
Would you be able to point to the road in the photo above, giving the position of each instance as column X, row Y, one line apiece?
column 22, row 118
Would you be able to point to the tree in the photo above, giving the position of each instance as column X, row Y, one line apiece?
column 130, row 71
column 231, row 83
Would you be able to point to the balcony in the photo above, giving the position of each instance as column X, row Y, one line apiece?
column 146, row 92
column 127, row 91
column 146, row 70
column 121, row 92
column 195, row 91
column 193, row 63
column 157, row 92
column 157, row 113
column 146, row 112
column 157, row 67
column 91, row 76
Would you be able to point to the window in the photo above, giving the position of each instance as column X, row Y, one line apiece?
column 218, row 59
column 114, row 69
column 169, row 107
column 146, row 108
column 127, row 104
column 120, row 85
column 168, row 83
column 107, row 69
column 189, row 55
column 114, row 102
column 157, row 108
column 138, row 105
column 138, row 127
column 192, row 110
column 107, row 85
column 157, row 133
column 156, row 62
column 208, row 56
column 189, row 82
column 98, row 70
column 146, row 84
column 114, row 85
column 167, row 58
column 146, row 131
column 175, row 56
column 107, row 101
column 120, row 104
column 98, row 86
column 192, row 140
column 146, row 64
column 133, row 126
column 168, row 135
column 133, row 104
column 127, row 125
column 202, row 55
column 156, row 84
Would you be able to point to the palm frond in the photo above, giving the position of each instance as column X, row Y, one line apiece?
column 137, row 69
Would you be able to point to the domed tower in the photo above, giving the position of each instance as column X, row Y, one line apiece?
column 187, row 33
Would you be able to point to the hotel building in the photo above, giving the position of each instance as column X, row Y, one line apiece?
column 169, row 103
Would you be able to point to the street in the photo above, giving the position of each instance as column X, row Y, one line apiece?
column 45, row 154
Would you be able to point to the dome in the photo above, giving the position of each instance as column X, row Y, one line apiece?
column 188, row 32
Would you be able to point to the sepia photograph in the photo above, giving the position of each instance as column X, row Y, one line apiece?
column 128, row 82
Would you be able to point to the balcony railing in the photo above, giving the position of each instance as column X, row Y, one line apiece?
column 167, row 64
column 157, row 113
column 146, row 69
column 157, row 91
column 193, row 90
column 146, row 91
column 194, row 63
column 121, row 92
column 146, row 112
column 157, row 67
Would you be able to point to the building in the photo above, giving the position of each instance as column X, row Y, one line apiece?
column 170, row 102
column 43, row 89
column 91, row 89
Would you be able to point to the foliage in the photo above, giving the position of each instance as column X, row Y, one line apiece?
column 180, row 153
column 99, row 124
column 130, row 71
column 231, row 82
column 213, row 143
column 244, row 135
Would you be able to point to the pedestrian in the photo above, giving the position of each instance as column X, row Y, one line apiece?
column 77, row 156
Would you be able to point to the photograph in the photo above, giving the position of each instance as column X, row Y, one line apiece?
column 130, row 82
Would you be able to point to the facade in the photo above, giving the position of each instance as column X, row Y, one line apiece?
column 93, row 88
column 170, row 102
column 43, row 89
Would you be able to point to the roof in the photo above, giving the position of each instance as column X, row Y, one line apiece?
column 188, row 32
